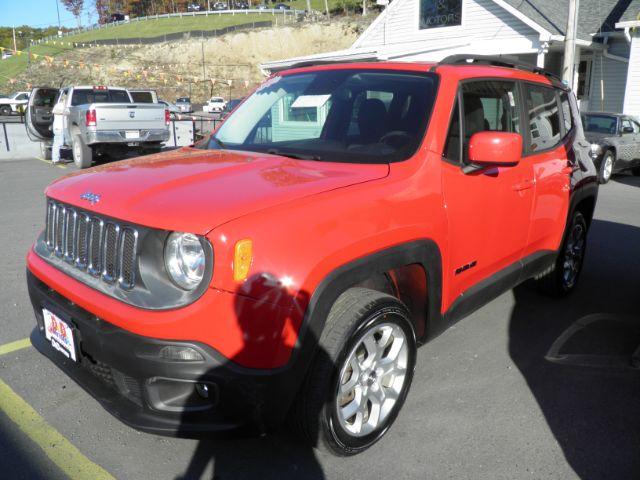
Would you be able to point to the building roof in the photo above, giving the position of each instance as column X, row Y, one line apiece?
column 595, row 16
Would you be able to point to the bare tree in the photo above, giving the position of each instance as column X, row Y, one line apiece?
column 75, row 7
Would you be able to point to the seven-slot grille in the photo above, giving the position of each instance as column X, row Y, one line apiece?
column 102, row 247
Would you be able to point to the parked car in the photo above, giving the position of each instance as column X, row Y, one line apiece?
column 262, row 6
column 241, row 5
column 220, row 6
column 282, row 6
column 231, row 104
column 214, row 105
column 615, row 143
column 7, row 54
column 12, row 104
column 117, row 17
column 353, row 212
column 169, row 106
column 184, row 104
column 194, row 7
column 100, row 121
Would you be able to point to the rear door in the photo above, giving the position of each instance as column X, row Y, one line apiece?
column 549, row 151
column 39, row 119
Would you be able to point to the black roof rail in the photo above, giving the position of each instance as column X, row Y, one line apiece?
column 502, row 61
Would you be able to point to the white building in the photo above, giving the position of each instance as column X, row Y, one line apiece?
column 607, row 61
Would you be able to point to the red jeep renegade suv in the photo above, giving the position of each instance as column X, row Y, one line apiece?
column 289, row 265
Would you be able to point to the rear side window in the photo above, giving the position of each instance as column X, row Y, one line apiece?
column 488, row 105
column 544, row 117
column 81, row 97
column 567, row 118
column 142, row 97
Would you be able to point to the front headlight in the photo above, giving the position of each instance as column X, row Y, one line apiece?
column 184, row 259
column 595, row 148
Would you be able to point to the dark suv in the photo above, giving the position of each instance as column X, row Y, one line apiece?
column 615, row 143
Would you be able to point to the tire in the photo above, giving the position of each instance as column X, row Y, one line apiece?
column 561, row 278
column 606, row 167
column 636, row 171
column 5, row 110
column 318, row 413
column 82, row 154
column 45, row 151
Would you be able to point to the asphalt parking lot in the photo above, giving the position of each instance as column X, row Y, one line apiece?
column 526, row 388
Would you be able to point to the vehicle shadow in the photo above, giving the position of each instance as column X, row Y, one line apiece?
column 258, row 452
column 626, row 179
column 577, row 356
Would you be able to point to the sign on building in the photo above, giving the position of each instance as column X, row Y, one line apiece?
column 440, row 13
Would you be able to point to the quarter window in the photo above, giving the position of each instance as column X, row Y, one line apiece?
column 544, row 118
column 566, row 112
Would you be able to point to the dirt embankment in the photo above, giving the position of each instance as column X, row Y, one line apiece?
column 231, row 62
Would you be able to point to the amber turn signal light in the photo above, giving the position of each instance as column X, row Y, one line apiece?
column 243, row 255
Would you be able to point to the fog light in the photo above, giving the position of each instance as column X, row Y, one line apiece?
column 202, row 389
column 178, row 353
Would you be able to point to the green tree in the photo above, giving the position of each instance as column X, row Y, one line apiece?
column 75, row 7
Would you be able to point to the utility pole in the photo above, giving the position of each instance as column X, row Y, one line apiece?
column 59, row 26
column 570, row 43
column 14, row 39
column 308, row 7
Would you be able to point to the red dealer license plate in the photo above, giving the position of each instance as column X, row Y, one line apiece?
column 60, row 334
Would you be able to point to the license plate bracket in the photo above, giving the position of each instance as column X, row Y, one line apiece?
column 131, row 134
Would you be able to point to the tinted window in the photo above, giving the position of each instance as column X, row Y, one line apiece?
column 83, row 96
column 600, row 123
column 544, row 117
column 142, row 97
column 350, row 115
column 567, row 118
column 489, row 105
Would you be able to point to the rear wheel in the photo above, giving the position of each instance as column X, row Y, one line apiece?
column 5, row 110
column 606, row 167
column 562, row 277
column 361, row 375
column 45, row 151
column 82, row 154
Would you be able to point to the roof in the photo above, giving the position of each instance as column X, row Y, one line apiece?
column 594, row 16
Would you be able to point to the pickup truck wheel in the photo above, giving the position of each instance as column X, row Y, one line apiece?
column 45, row 151
column 562, row 277
column 5, row 110
column 360, row 377
column 82, row 154
column 606, row 167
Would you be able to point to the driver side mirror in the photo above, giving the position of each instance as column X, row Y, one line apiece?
column 627, row 129
column 495, row 149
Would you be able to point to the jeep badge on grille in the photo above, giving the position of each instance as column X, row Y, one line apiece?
column 90, row 197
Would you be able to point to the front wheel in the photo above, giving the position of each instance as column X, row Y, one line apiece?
column 361, row 374
column 562, row 277
column 606, row 167
column 5, row 110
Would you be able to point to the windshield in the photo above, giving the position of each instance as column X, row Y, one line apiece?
column 363, row 116
column 183, row 100
column 600, row 123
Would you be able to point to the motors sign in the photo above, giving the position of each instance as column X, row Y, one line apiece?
column 440, row 13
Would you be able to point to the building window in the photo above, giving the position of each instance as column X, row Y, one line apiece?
column 584, row 78
column 440, row 13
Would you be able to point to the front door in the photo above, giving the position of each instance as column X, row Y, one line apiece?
column 488, row 210
column 39, row 118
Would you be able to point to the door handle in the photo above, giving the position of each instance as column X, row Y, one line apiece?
column 518, row 187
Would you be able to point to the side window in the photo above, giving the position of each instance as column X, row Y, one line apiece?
column 544, row 117
column 566, row 112
column 489, row 105
column 22, row 96
column 626, row 123
column 636, row 126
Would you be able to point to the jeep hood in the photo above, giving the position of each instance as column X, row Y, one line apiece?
column 195, row 190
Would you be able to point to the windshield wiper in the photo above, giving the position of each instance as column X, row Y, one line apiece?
column 297, row 156
column 219, row 142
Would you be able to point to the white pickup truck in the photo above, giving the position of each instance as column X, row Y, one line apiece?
column 12, row 103
column 98, row 121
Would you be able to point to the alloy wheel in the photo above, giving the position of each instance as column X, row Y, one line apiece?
column 573, row 255
column 372, row 378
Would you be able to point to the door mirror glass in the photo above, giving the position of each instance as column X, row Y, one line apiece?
column 502, row 149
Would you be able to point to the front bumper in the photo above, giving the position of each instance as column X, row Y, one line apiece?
column 125, row 374
column 119, row 136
